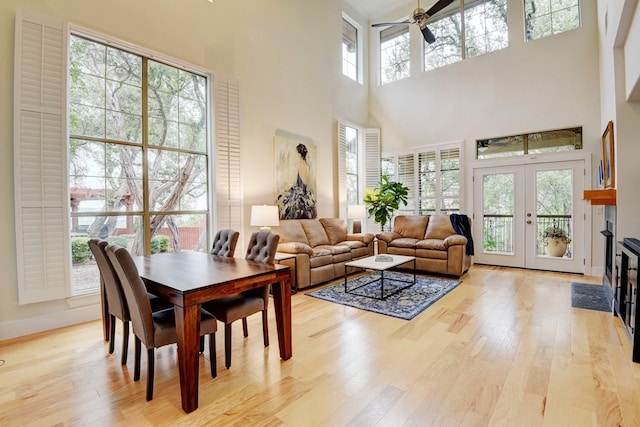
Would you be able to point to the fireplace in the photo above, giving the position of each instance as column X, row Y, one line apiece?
column 609, row 248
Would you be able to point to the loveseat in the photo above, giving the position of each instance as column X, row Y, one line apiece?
column 321, row 247
column 438, row 248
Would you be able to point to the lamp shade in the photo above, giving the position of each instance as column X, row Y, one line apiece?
column 356, row 212
column 264, row 216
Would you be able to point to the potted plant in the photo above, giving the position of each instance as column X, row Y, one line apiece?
column 383, row 200
column 555, row 241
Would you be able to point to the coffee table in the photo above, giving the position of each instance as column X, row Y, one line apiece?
column 370, row 263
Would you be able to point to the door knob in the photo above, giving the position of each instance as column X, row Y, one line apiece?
column 528, row 221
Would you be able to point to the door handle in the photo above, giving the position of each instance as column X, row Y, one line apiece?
column 529, row 221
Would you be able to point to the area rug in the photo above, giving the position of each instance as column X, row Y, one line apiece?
column 592, row 297
column 406, row 304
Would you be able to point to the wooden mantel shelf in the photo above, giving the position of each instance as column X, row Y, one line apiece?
column 601, row 197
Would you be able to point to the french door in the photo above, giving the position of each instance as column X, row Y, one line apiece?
column 515, row 205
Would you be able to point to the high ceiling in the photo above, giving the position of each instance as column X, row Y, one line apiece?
column 375, row 8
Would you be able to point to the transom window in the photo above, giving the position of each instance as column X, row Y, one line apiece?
column 530, row 143
column 138, row 154
column 394, row 54
column 544, row 18
column 482, row 28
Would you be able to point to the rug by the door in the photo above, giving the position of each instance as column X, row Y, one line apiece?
column 406, row 304
column 592, row 297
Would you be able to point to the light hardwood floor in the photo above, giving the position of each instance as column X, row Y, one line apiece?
column 505, row 348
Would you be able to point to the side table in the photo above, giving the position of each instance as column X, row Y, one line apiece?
column 283, row 256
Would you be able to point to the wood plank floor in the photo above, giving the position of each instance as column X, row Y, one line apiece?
column 505, row 348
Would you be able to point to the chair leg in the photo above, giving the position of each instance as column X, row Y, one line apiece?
column 136, row 364
column 202, row 344
column 227, row 345
column 113, row 333
column 265, row 328
column 125, row 342
column 151, row 361
column 245, row 330
column 212, row 355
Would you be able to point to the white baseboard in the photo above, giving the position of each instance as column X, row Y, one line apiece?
column 21, row 327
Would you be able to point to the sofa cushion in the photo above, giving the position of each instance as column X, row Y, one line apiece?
column 353, row 244
column 290, row 230
column 403, row 242
column 412, row 226
column 431, row 254
column 333, row 249
column 295, row 248
column 439, row 227
column 335, row 228
column 313, row 229
column 320, row 258
column 431, row 244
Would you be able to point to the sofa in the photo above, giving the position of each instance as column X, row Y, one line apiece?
column 321, row 248
column 438, row 248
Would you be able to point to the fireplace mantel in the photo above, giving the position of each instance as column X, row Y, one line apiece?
column 601, row 197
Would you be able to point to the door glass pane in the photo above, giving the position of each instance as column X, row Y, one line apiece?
column 554, row 209
column 498, row 209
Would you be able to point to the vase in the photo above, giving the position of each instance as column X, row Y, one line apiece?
column 555, row 247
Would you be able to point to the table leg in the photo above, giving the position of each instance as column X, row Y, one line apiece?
column 282, row 306
column 188, row 334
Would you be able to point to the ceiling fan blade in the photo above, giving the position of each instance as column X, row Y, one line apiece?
column 440, row 4
column 387, row 24
column 428, row 35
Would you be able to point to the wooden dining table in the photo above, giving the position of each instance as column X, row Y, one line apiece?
column 188, row 278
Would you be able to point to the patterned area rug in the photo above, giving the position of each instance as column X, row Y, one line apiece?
column 592, row 297
column 406, row 304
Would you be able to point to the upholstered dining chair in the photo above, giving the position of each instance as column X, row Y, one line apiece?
column 224, row 242
column 262, row 248
column 153, row 329
column 115, row 298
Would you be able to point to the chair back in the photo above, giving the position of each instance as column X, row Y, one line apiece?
column 135, row 292
column 116, row 299
column 263, row 246
column 224, row 242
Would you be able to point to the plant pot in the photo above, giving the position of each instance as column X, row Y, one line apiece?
column 555, row 247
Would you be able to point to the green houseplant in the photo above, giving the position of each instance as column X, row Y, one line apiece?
column 383, row 200
column 555, row 241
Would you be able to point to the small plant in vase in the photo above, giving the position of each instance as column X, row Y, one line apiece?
column 555, row 241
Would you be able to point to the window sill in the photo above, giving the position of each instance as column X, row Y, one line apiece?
column 84, row 300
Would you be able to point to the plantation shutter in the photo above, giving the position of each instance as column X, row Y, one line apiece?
column 371, row 167
column 40, row 159
column 407, row 176
column 450, row 180
column 227, row 158
column 342, row 169
column 428, row 182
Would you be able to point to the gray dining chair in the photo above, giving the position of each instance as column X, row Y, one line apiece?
column 224, row 242
column 153, row 329
column 262, row 248
column 115, row 298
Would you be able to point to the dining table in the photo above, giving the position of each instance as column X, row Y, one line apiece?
column 189, row 278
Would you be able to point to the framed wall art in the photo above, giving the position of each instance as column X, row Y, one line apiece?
column 296, row 192
column 608, row 159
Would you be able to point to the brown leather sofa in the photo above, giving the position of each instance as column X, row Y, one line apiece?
column 431, row 239
column 322, row 247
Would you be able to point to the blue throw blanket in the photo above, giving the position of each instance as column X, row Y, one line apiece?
column 462, row 226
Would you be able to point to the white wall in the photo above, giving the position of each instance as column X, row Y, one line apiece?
column 286, row 54
column 531, row 86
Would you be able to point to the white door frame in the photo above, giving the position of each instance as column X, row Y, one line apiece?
column 541, row 158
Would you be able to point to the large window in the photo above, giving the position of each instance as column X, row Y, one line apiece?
column 482, row 28
column 432, row 175
column 544, row 18
column 394, row 54
column 353, row 155
column 138, row 154
column 551, row 141
column 351, row 49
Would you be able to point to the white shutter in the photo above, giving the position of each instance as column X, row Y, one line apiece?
column 40, row 159
column 372, row 167
column 407, row 176
column 342, row 169
column 227, row 158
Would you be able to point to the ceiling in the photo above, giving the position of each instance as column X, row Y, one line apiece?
column 375, row 8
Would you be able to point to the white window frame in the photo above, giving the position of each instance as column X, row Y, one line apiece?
column 411, row 178
column 380, row 71
column 553, row 10
column 359, row 48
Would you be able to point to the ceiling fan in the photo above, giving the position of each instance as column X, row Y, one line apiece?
column 420, row 18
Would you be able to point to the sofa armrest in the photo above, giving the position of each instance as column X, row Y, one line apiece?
column 388, row 236
column 454, row 240
column 365, row 238
column 295, row 248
